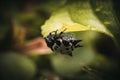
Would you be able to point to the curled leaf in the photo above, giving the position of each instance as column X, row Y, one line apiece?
column 73, row 27
column 62, row 19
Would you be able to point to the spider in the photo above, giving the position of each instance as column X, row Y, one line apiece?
column 62, row 42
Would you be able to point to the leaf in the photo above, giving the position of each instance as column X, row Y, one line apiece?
column 61, row 19
column 56, row 21
column 73, row 27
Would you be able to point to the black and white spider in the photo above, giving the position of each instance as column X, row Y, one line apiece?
column 62, row 42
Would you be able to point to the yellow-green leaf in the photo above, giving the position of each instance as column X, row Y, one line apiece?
column 61, row 19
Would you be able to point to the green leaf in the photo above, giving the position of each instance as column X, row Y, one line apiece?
column 71, row 15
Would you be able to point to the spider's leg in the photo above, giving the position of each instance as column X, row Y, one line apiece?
column 76, row 46
column 72, row 48
column 55, row 32
column 63, row 31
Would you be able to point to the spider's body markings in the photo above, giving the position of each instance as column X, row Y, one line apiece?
column 62, row 42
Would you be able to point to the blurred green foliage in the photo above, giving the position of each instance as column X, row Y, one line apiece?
column 14, row 66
